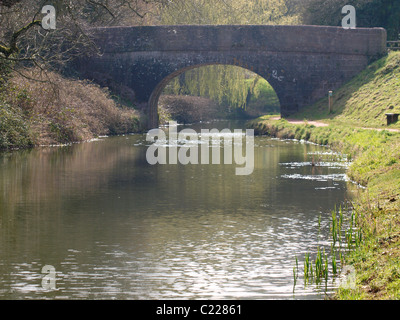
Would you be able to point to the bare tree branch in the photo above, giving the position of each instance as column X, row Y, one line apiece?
column 12, row 48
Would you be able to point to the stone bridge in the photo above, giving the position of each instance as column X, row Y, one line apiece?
column 302, row 63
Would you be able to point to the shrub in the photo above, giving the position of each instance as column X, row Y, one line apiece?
column 14, row 130
column 60, row 110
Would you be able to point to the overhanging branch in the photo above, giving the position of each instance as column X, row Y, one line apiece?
column 13, row 48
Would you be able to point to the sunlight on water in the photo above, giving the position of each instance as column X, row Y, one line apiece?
column 115, row 227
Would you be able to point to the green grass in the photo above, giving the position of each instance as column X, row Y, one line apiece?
column 375, row 156
column 376, row 165
column 365, row 99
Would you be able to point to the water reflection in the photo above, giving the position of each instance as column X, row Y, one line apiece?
column 115, row 227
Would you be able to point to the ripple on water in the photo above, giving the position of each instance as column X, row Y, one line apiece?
column 165, row 232
column 317, row 177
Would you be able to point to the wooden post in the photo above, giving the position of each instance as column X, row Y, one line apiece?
column 330, row 102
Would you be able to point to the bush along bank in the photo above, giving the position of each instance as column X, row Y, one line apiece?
column 375, row 165
column 52, row 110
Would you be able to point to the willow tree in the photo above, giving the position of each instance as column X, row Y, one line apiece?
column 224, row 84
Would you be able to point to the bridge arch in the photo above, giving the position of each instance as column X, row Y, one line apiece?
column 159, row 88
column 302, row 63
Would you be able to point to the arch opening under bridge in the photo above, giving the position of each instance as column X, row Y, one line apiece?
column 301, row 63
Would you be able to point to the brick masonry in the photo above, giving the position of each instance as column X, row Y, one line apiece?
column 302, row 63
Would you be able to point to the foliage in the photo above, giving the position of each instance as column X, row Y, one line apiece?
column 241, row 90
column 5, row 71
column 227, row 85
column 187, row 109
column 26, row 43
column 59, row 111
column 14, row 131
column 222, row 12
column 369, row 13
column 213, row 82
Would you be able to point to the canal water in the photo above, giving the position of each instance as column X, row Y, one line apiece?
column 112, row 226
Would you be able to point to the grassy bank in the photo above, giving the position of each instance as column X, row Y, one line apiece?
column 55, row 110
column 364, row 101
column 376, row 165
column 375, row 156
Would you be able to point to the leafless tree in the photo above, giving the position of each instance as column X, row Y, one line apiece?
column 24, row 42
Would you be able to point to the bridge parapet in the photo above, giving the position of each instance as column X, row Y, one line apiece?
column 301, row 39
column 302, row 63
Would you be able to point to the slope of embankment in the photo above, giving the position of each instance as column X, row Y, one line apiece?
column 357, row 127
column 47, row 109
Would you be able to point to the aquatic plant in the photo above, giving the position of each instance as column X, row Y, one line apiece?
column 317, row 271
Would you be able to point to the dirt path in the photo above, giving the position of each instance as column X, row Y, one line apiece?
column 294, row 121
column 377, row 129
column 323, row 124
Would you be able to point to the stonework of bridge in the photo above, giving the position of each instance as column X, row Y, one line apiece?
column 302, row 63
